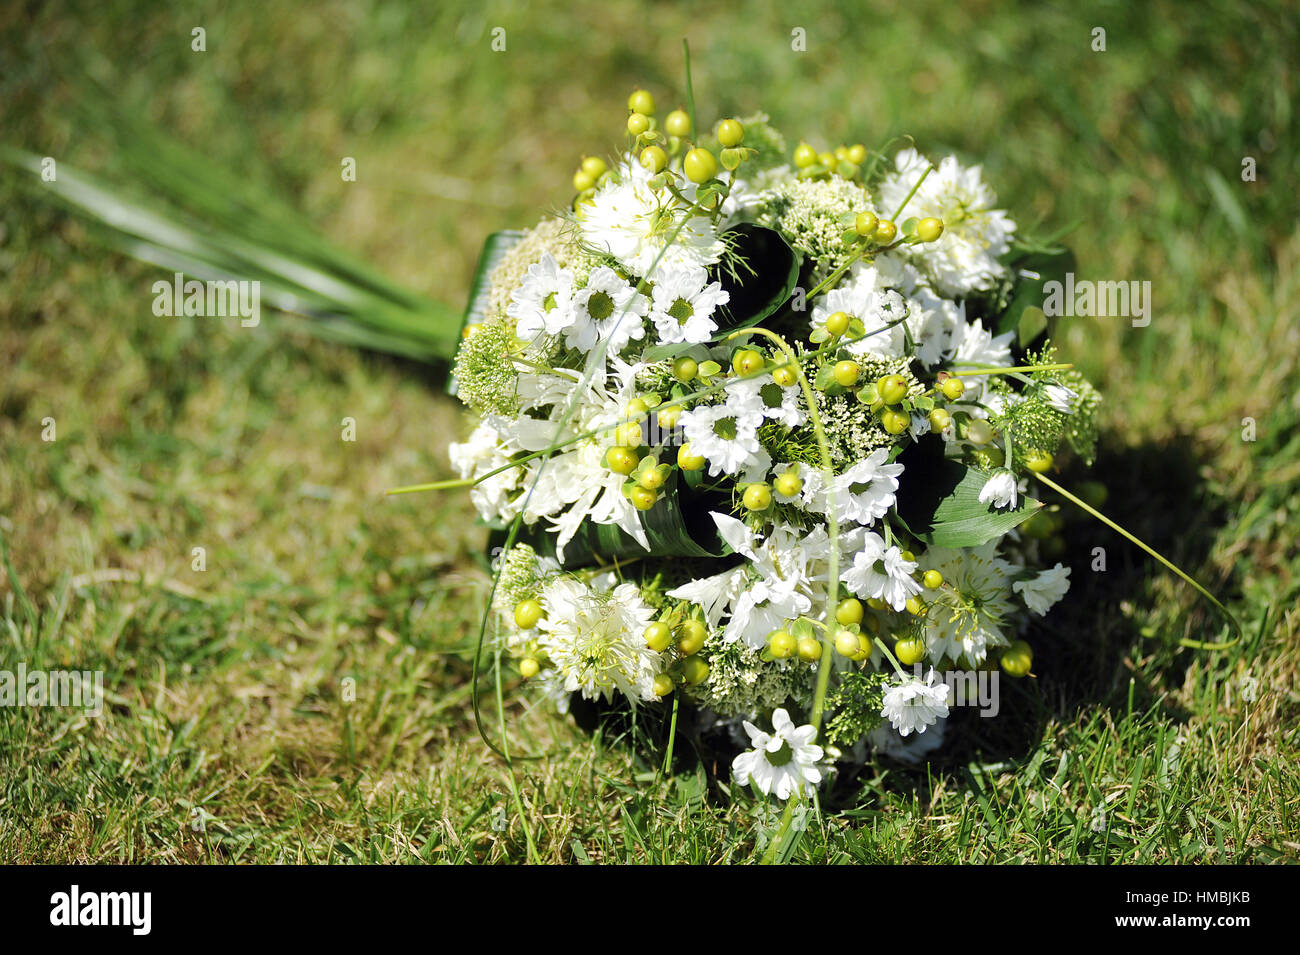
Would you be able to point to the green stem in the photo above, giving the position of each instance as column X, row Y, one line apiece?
column 899, row 211
column 672, row 735
column 510, row 768
column 1193, row 644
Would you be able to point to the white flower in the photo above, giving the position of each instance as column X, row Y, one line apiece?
column 683, row 303
column 543, row 302
column 634, row 224
column 481, row 453
column 974, row 346
column 607, row 307
column 882, row 573
column 775, row 402
column 595, row 640
column 965, row 258
column 866, row 296
column 999, row 489
column 726, row 435
column 865, row 492
column 968, row 613
column 1060, row 397
column 912, row 704
column 783, row 762
column 1044, row 590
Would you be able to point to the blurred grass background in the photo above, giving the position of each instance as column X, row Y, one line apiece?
column 227, row 737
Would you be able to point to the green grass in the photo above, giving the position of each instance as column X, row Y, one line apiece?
column 227, row 738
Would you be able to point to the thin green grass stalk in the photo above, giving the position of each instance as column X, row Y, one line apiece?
column 531, row 848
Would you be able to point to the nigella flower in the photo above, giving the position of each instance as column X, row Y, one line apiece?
column 595, row 639
column 1000, row 489
column 1041, row 592
column 683, row 303
column 607, row 307
column 782, row 762
column 882, row 573
column 1060, row 397
column 911, row 705
column 542, row 303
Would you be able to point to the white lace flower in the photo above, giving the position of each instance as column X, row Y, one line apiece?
column 595, row 640
column 1000, row 489
column 606, row 307
column 1041, row 593
column 726, row 435
column 543, row 302
column 865, row 492
column 783, row 762
column 682, row 305
column 912, row 705
column 965, row 258
column 882, row 573
column 634, row 224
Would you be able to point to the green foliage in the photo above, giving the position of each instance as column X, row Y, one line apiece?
column 855, row 704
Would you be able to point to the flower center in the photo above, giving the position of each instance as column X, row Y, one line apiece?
column 682, row 310
column 549, row 303
column 725, row 428
column 771, row 393
column 782, row 755
column 600, row 306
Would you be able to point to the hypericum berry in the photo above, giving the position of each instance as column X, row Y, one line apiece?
column 663, row 685
column 847, row 643
column 528, row 613
column 895, row 422
column 642, row 498
column 699, row 165
column 847, row 373
column 849, row 611
column 865, row 224
column 730, row 133
column 652, row 479
column 638, row 123
column 979, row 431
column 653, row 158
column 940, row 419
column 952, row 387
column 528, row 667
column 694, row 671
column 909, row 650
column 747, row 362
column 757, row 497
column 932, row 579
column 1038, row 461
column 693, row 635
column 1017, row 659
column 685, row 369
column 857, row 155
column 785, row 375
column 628, row 435
column 908, row 556
column 622, row 460
column 892, row 389
column 875, row 603
column 583, row 180
column 594, row 166
column 826, row 159
column 688, row 460
column 782, row 644
column 929, row 229
column 641, row 102
column 804, row 156
column 677, row 123
column 668, row 417
column 788, row 484
column 658, row 636
column 837, row 323
column 916, row 606
column 635, row 408
column 886, row 232
column 809, row 649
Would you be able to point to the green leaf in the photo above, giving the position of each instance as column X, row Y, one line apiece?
column 1049, row 266
column 940, row 505
column 764, row 281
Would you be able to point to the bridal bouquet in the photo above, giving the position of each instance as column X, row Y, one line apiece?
column 756, row 429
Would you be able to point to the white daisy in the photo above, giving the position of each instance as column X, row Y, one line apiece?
column 775, row 402
column 783, row 762
column 865, row 492
column 682, row 305
column 912, row 705
column 866, row 296
column 1000, row 489
column 726, row 435
column 606, row 307
column 882, row 573
column 542, row 304
column 1040, row 593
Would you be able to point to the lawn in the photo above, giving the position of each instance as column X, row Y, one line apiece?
column 298, row 690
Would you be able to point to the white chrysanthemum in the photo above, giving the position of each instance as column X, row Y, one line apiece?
column 726, row 435
column 783, row 762
column 634, row 224
column 864, row 492
column 1041, row 593
column 1060, row 397
column 882, row 572
column 481, row 453
column 974, row 346
column 683, row 303
column 912, row 705
column 781, row 403
column 595, row 640
column 866, row 296
column 1000, row 489
column 967, row 614
column 543, row 302
column 606, row 307
column 975, row 234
